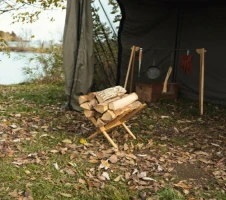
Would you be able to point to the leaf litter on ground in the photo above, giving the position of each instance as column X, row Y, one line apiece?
column 180, row 150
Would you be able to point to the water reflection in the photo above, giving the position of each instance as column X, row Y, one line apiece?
column 11, row 67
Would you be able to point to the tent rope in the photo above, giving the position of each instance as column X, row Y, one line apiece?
column 108, row 18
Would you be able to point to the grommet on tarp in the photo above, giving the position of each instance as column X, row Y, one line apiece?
column 186, row 63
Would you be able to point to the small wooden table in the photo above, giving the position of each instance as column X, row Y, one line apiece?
column 120, row 120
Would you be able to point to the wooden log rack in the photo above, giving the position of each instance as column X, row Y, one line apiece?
column 121, row 119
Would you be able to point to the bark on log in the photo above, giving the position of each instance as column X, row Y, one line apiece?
column 82, row 99
column 123, row 101
column 110, row 93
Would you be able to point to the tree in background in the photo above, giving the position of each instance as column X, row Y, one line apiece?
column 22, row 12
column 105, row 36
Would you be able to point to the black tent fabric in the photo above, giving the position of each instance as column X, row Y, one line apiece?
column 171, row 27
column 78, row 51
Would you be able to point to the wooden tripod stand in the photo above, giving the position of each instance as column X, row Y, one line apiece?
column 121, row 119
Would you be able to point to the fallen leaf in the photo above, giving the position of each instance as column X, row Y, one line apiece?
column 126, row 147
column 142, row 174
column 18, row 115
column 67, row 141
column 106, row 175
column 13, row 126
column 186, row 192
column 142, row 155
column 182, row 185
column 104, row 164
column 72, row 164
column 160, row 168
column 118, row 178
column 14, row 194
column 131, row 156
column 135, row 171
column 148, row 179
column 54, row 151
column 69, row 171
column 16, row 140
column 204, row 160
column 56, row 166
column 113, row 159
column 201, row 153
column 165, row 117
column 216, row 145
column 27, row 172
column 82, row 181
column 65, row 195
column 93, row 161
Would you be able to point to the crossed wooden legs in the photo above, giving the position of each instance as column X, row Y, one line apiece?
column 104, row 131
column 118, row 121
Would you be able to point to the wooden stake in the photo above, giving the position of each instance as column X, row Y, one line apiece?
column 129, row 66
column 201, row 52
column 132, row 72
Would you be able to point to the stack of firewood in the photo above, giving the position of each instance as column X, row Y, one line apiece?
column 106, row 105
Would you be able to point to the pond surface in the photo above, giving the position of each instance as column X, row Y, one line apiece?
column 11, row 67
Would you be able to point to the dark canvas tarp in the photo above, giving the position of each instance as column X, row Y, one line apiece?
column 78, row 50
column 165, row 25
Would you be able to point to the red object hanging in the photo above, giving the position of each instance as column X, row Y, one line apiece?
column 186, row 63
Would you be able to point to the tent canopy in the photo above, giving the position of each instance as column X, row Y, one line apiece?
column 78, row 51
column 168, row 28
column 165, row 29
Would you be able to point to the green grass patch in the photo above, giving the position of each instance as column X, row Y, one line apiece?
column 169, row 194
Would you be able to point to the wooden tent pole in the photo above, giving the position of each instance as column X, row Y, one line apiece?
column 132, row 72
column 201, row 52
column 129, row 66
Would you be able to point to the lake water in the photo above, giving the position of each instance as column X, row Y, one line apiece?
column 11, row 67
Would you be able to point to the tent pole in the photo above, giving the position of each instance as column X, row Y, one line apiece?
column 177, row 42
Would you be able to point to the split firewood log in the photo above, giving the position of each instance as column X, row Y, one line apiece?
column 97, row 115
column 102, row 107
column 89, row 105
column 110, row 93
column 89, row 113
column 131, row 106
column 82, row 99
column 123, row 101
column 91, row 96
column 108, row 116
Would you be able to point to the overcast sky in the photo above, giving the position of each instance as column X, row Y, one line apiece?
column 44, row 29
